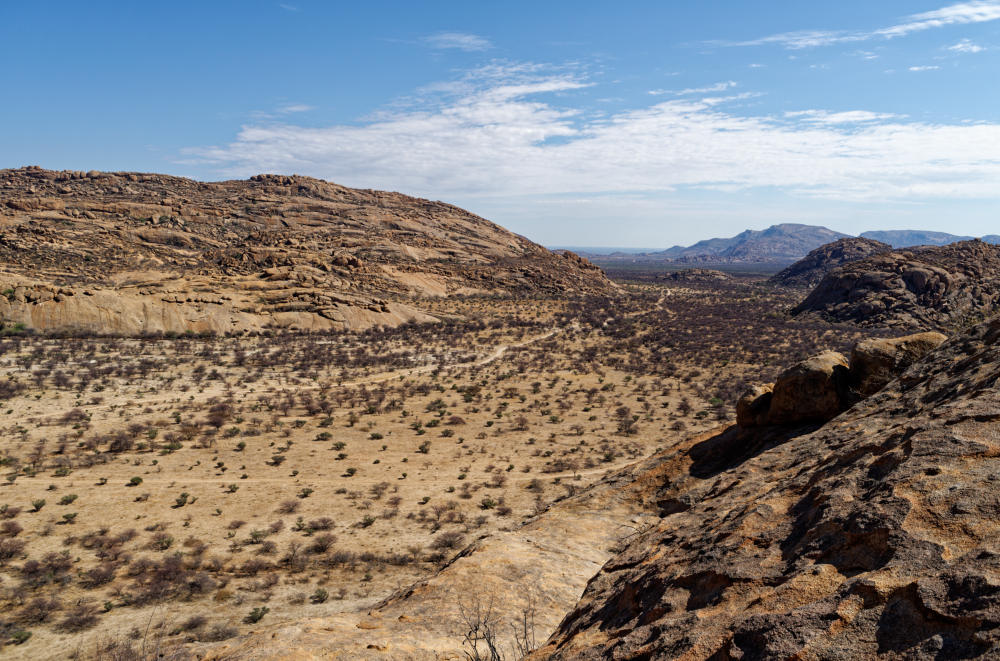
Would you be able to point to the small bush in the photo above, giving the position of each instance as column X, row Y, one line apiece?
column 256, row 615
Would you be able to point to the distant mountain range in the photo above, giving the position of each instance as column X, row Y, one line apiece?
column 778, row 244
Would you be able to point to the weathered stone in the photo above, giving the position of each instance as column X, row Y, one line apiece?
column 876, row 362
column 753, row 406
column 813, row 390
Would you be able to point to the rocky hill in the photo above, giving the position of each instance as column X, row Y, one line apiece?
column 870, row 536
column 126, row 252
column 808, row 271
column 910, row 238
column 939, row 287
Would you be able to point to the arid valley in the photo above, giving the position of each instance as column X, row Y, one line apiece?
column 471, row 331
column 292, row 488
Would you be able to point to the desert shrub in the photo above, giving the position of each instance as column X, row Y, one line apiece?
column 38, row 610
column 220, row 632
column 322, row 523
column 10, row 528
column 288, row 507
column 98, row 576
column 194, row 622
column 80, row 617
column 256, row 615
column 448, row 540
column 321, row 544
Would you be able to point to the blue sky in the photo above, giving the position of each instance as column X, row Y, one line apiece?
column 574, row 123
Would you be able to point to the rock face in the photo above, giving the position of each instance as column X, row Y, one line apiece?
column 126, row 252
column 808, row 271
column 876, row 362
column 819, row 388
column 753, row 407
column 937, row 288
column 873, row 536
column 813, row 390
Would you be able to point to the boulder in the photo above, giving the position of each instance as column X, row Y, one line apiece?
column 814, row 390
column 753, row 406
column 876, row 362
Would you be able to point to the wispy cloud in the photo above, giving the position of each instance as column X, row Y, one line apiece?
column 295, row 107
column 710, row 89
column 966, row 46
column 845, row 117
column 289, row 7
column 925, row 67
column 979, row 11
column 281, row 111
column 959, row 14
column 491, row 134
column 458, row 40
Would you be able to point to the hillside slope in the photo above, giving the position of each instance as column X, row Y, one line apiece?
column 872, row 536
column 132, row 253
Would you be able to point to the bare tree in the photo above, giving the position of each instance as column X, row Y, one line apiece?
column 524, row 630
column 482, row 618
column 481, row 621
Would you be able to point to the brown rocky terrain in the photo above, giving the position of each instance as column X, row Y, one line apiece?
column 808, row 271
column 939, row 287
column 134, row 253
column 872, row 535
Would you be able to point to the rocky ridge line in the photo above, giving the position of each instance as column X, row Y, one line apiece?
column 128, row 252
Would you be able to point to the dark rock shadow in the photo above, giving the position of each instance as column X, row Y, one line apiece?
column 735, row 445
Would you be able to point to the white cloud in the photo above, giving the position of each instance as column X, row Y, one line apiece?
column 959, row 14
column 845, row 117
column 295, row 107
column 458, row 40
column 926, row 67
column 966, row 46
column 289, row 7
column 979, row 11
column 490, row 135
